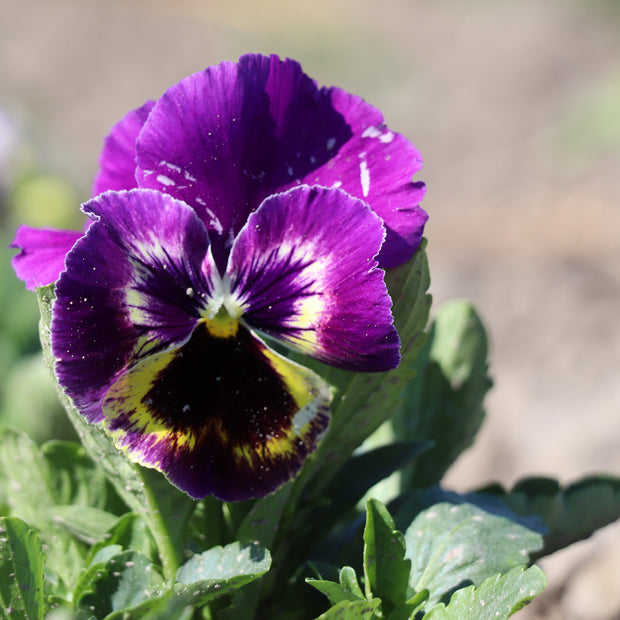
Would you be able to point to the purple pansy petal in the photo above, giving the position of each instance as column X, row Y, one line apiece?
column 132, row 286
column 219, row 415
column 117, row 163
column 376, row 165
column 303, row 271
column 224, row 139
column 42, row 254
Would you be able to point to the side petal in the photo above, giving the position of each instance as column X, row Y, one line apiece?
column 130, row 288
column 42, row 254
column 117, row 162
column 219, row 415
column 303, row 271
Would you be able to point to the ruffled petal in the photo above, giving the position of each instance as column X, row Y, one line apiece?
column 377, row 165
column 117, row 163
column 42, row 254
column 303, row 271
column 133, row 286
column 224, row 139
column 219, row 415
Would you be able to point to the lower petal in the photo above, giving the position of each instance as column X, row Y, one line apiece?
column 221, row 415
column 42, row 254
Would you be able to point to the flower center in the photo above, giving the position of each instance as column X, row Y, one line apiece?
column 222, row 325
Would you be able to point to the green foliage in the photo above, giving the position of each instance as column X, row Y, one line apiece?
column 386, row 569
column 444, row 402
column 446, row 547
column 21, row 571
column 498, row 597
column 452, row 544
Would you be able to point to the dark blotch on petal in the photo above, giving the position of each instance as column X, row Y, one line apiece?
column 220, row 416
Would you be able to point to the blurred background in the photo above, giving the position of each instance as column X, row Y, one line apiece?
column 515, row 105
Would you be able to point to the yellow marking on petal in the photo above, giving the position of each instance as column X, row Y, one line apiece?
column 127, row 395
column 222, row 325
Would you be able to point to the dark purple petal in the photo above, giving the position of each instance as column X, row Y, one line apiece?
column 117, row 163
column 219, row 415
column 133, row 286
column 376, row 165
column 224, row 139
column 303, row 270
column 42, row 254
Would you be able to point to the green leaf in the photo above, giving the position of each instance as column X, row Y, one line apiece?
column 335, row 592
column 347, row 589
column 362, row 471
column 348, row 579
column 449, row 544
column 129, row 532
column 566, row 511
column 261, row 522
column 443, row 404
column 21, row 571
column 85, row 523
column 363, row 401
column 146, row 492
column 219, row 571
column 352, row 610
column 497, row 598
column 31, row 493
column 126, row 580
column 385, row 568
column 75, row 478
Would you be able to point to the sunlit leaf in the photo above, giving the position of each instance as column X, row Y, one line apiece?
column 496, row 598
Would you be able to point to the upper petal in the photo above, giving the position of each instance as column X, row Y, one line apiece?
column 303, row 270
column 117, row 163
column 42, row 254
column 224, row 139
column 133, row 286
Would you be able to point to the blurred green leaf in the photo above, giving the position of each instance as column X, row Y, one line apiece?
column 386, row 570
column 21, row 571
column 75, row 478
column 496, row 598
column 449, row 544
column 84, row 522
column 566, row 511
column 28, row 482
column 443, row 404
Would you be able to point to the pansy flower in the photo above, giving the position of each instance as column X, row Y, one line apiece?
column 246, row 205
